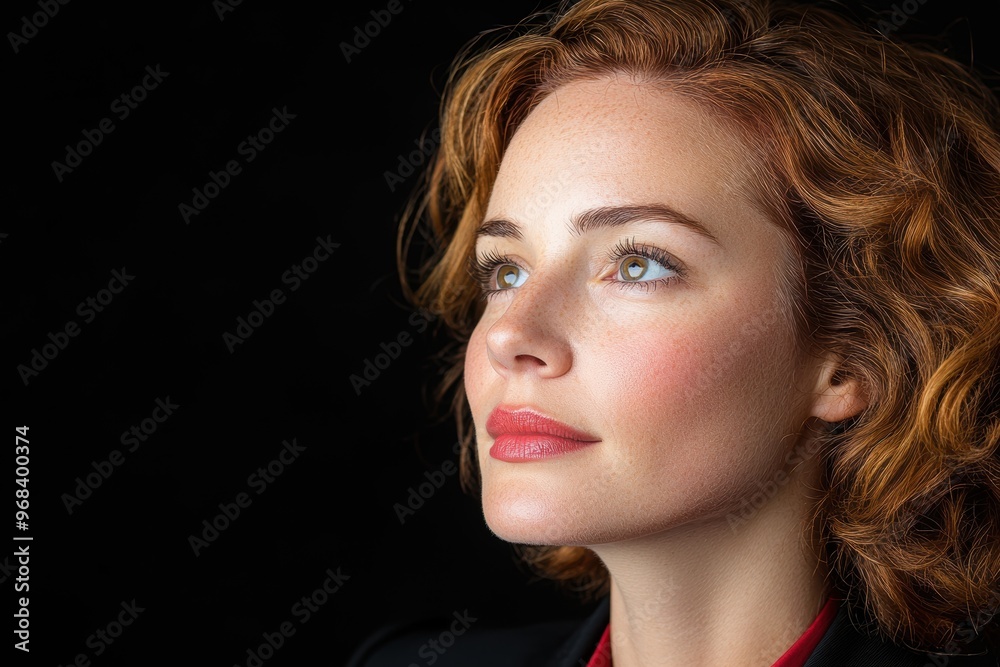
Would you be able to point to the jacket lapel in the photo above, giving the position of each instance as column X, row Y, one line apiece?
column 579, row 647
column 843, row 645
column 847, row 645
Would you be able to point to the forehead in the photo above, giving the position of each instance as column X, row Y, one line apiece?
column 612, row 139
column 612, row 142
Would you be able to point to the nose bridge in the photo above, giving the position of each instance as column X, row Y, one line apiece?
column 534, row 330
column 546, row 298
column 536, row 294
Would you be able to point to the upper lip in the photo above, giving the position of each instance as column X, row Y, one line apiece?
column 529, row 421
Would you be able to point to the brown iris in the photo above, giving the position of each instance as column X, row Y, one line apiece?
column 507, row 276
column 634, row 268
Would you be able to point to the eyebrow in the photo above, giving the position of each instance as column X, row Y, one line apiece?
column 603, row 217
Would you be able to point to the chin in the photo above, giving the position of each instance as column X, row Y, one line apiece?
column 527, row 518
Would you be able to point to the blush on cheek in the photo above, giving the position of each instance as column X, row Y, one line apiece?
column 632, row 393
column 737, row 361
column 686, row 412
column 654, row 376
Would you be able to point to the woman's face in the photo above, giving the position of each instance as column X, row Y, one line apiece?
column 667, row 358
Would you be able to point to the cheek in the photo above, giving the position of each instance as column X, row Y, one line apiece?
column 699, row 407
column 677, row 373
column 692, row 410
column 642, row 383
column 722, row 363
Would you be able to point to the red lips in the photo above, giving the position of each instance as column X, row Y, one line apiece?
column 526, row 435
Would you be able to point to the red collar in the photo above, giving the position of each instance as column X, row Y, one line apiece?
column 795, row 656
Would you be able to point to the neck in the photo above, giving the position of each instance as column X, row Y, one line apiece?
column 717, row 592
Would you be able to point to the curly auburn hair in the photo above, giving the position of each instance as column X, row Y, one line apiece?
column 880, row 160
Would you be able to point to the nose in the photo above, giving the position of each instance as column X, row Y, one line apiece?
column 530, row 337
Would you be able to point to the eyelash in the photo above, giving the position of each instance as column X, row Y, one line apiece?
column 628, row 248
column 483, row 269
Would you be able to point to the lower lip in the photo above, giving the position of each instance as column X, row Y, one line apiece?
column 515, row 447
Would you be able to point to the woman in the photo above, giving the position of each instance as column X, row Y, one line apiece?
column 727, row 354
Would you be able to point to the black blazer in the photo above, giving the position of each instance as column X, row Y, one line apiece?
column 570, row 643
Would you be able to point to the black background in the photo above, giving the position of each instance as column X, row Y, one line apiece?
column 323, row 176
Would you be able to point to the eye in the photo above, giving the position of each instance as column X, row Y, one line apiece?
column 496, row 273
column 643, row 266
column 636, row 268
column 509, row 275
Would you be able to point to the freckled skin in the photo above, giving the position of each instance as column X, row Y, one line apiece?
column 694, row 387
column 631, row 366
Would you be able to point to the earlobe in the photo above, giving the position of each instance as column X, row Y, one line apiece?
column 837, row 396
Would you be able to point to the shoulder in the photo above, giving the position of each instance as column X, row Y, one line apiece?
column 462, row 640
column 851, row 641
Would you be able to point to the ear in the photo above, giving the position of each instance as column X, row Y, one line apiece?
column 836, row 396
